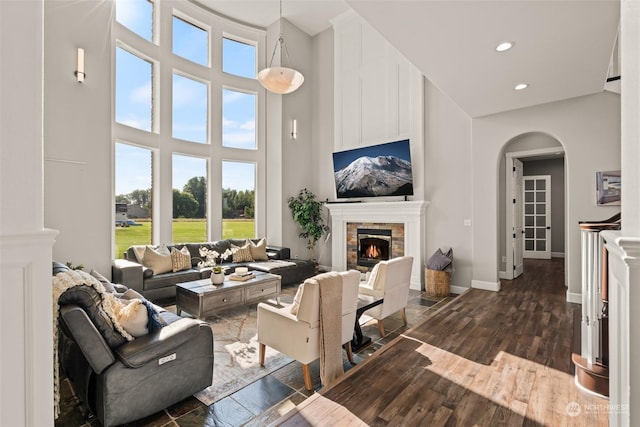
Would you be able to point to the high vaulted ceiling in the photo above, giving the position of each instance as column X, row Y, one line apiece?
column 311, row 16
column 562, row 49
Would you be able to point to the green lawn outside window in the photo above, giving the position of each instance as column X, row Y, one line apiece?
column 183, row 232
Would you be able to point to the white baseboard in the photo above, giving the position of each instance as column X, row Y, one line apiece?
column 574, row 297
column 557, row 254
column 487, row 286
column 458, row 290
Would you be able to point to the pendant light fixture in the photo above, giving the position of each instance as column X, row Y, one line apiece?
column 280, row 80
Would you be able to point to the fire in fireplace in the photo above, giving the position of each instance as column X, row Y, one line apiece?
column 374, row 245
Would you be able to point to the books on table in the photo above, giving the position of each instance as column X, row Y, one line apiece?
column 241, row 277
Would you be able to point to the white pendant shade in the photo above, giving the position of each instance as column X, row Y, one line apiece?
column 280, row 80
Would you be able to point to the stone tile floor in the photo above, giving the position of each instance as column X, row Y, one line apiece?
column 266, row 399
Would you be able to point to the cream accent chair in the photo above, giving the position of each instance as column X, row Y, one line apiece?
column 389, row 280
column 297, row 333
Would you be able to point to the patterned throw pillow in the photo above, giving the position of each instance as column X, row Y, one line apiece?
column 259, row 250
column 242, row 254
column 180, row 259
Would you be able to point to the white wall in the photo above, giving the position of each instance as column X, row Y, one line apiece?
column 377, row 98
column 297, row 159
column 378, row 93
column 588, row 128
column 274, row 157
column 78, row 151
column 448, row 184
column 323, row 129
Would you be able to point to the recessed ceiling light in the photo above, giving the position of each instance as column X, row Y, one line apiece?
column 521, row 86
column 504, row 46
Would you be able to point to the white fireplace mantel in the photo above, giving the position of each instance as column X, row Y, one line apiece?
column 410, row 213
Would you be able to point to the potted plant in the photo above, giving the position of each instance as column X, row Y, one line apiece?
column 307, row 213
column 211, row 260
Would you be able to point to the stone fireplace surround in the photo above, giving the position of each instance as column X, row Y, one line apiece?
column 411, row 214
column 396, row 247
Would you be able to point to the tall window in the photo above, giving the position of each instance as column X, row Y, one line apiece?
column 238, row 119
column 189, row 109
column 238, row 200
column 238, row 58
column 190, row 41
column 133, row 197
column 191, row 99
column 134, row 91
column 137, row 16
column 189, row 199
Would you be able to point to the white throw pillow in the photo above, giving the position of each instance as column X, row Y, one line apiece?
column 259, row 250
column 157, row 260
column 138, row 251
column 134, row 318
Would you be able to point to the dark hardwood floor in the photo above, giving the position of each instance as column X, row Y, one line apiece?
column 485, row 359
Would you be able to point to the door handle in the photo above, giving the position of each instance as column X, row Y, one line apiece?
column 549, row 228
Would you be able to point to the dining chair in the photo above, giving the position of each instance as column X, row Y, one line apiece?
column 389, row 280
column 294, row 329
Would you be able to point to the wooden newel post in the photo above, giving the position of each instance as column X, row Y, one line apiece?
column 592, row 364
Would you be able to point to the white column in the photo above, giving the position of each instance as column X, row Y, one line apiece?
column 624, row 343
column 630, row 111
column 624, row 247
column 26, row 325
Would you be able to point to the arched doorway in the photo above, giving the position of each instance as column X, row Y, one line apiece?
column 532, row 200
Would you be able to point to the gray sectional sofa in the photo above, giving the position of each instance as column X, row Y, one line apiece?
column 132, row 273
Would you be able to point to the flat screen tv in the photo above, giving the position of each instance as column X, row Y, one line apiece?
column 374, row 171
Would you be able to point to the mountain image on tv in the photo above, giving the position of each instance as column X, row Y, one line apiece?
column 371, row 175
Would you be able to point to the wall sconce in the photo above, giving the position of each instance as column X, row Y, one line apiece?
column 294, row 129
column 80, row 74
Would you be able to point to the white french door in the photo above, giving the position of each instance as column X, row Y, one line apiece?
column 536, row 198
column 518, row 224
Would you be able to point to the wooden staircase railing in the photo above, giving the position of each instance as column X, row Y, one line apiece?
column 592, row 364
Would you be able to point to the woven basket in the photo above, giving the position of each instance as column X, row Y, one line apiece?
column 438, row 283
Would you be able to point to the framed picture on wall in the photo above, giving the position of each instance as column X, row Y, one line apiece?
column 608, row 188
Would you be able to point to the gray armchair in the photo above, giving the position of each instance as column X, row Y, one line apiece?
column 122, row 381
